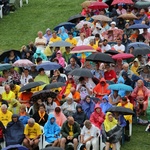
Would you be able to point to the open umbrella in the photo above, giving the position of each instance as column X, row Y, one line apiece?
column 61, row 44
column 82, row 48
column 48, row 66
column 81, row 72
column 128, row 16
column 16, row 147
column 100, row 57
column 121, row 110
column 120, row 86
column 31, row 85
column 5, row 66
column 98, row 5
column 54, row 85
column 139, row 26
column 81, row 23
column 52, row 148
column 142, row 4
column 122, row 1
column 141, row 51
column 101, row 18
column 86, row 3
column 43, row 95
column 74, row 18
column 23, row 63
column 67, row 25
column 112, row 52
column 122, row 56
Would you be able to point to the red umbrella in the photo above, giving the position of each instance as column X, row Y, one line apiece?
column 122, row 56
column 122, row 1
column 98, row 5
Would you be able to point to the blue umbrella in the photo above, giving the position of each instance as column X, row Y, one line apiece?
column 120, row 86
column 139, row 26
column 5, row 66
column 48, row 66
column 17, row 146
column 61, row 44
column 67, row 25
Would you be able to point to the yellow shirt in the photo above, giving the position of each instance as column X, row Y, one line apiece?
column 94, row 46
column 32, row 132
column 72, row 41
column 5, row 118
column 16, row 91
column 68, row 89
column 134, row 69
column 55, row 39
column 8, row 97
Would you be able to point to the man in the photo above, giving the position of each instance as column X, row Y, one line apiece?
column 32, row 133
column 86, row 30
column 54, row 38
column 120, row 9
column 89, row 135
column 119, row 47
column 16, row 89
column 3, row 101
column 75, row 94
column 92, row 44
column 105, row 46
column 146, row 34
column 70, row 132
column 71, row 40
column 5, row 115
column 67, row 55
column 15, row 76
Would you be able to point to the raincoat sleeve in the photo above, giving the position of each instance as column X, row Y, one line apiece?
column 46, row 132
column 78, row 131
column 122, row 121
column 64, row 131
column 44, row 57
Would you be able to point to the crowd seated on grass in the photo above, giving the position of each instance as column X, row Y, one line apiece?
column 79, row 111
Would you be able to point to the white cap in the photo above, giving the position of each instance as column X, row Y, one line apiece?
column 113, row 23
column 70, row 96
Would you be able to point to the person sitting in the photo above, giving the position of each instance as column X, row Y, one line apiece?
column 80, row 116
column 67, row 55
column 135, row 67
column 38, row 54
column 14, row 129
column 48, row 35
column 114, row 98
column 119, row 47
column 62, row 33
column 54, row 37
column 75, row 94
column 2, row 132
column 57, row 77
column 86, row 30
column 52, row 131
column 32, row 134
column 89, row 136
column 8, row 79
column 16, row 89
column 60, row 59
column 70, row 132
column 97, row 117
column 41, row 116
column 71, row 40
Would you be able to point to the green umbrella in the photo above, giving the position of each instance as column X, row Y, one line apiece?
column 5, row 66
column 141, row 4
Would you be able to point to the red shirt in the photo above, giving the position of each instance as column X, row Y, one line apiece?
column 110, row 75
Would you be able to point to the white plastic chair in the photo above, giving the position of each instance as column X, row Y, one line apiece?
column 130, row 129
column 1, row 11
column 64, row 76
column 21, row 3
column 41, row 139
column 27, row 2
column 3, row 144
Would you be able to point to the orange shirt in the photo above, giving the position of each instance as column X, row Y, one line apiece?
column 76, row 96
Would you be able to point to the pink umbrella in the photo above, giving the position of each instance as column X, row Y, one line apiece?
column 122, row 56
column 98, row 5
column 82, row 48
column 2, row 79
column 122, row 1
column 23, row 63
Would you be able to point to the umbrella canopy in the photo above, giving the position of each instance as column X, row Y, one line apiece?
column 48, row 66
column 112, row 52
column 121, row 110
column 101, row 18
column 122, row 56
column 100, row 57
column 54, row 85
column 43, row 95
column 82, row 48
column 67, row 25
column 61, row 44
column 142, row 4
column 86, row 4
column 141, row 51
column 81, row 23
column 31, row 85
column 74, row 18
column 121, row 1
column 17, row 146
column 98, row 5
column 128, row 16
column 120, row 86
column 23, row 63
column 5, row 66
column 81, row 72
column 139, row 26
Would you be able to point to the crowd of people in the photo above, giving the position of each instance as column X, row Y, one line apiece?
column 79, row 111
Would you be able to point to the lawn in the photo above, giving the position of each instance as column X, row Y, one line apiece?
column 21, row 27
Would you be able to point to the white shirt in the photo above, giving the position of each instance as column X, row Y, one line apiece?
column 119, row 48
column 41, row 47
column 105, row 48
column 24, row 80
column 84, row 42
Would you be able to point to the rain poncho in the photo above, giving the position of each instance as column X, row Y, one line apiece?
column 121, row 92
column 51, row 130
column 63, row 34
column 60, row 59
column 38, row 53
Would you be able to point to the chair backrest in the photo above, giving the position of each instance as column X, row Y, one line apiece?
column 64, row 76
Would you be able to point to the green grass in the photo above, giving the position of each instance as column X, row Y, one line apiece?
column 21, row 27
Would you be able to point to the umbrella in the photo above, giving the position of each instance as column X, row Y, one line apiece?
column 142, row 4
column 52, row 148
column 31, row 85
column 67, row 25
column 139, row 26
column 82, row 72
column 81, row 23
column 2, row 79
column 23, row 63
column 82, row 48
column 61, row 44
column 5, row 66
column 48, row 66
column 16, row 147
column 100, row 57
column 128, row 16
column 74, row 18
column 122, row 56
column 121, row 1
column 43, row 95
column 54, row 85
column 101, row 18
column 98, row 5
column 112, row 52
column 86, row 3
column 141, row 51
column 120, row 86
column 121, row 110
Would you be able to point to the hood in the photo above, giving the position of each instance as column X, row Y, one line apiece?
column 38, row 51
column 105, row 97
column 15, row 116
column 14, row 101
column 62, row 29
column 97, row 106
column 59, row 52
column 98, row 26
column 50, row 117
column 79, row 106
column 120, row 80
column 102, row 80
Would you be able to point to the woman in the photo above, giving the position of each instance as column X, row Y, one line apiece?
column 41, row 116
column 57, row 77
column 60, row 59
column 36, row 105
column 7, row 77
column 62, row 33
column 135, row 67
column 114, row 98
column 118, row 66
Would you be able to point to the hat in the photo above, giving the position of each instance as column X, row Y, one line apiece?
column 113, row 23
column 48, row 29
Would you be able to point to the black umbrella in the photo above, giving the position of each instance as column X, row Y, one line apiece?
column 67, row 25
column 82, row 72
column 43, row 95
column 141, row 51
column 121, row 110
column 54, row 85
column 74, row 18
column 112, row 52
column 52, row 148
column 31, row 85
column 61, row 44
column 100, row 57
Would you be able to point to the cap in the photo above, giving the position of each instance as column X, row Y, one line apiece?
column 113, row 23
column 48, row 29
